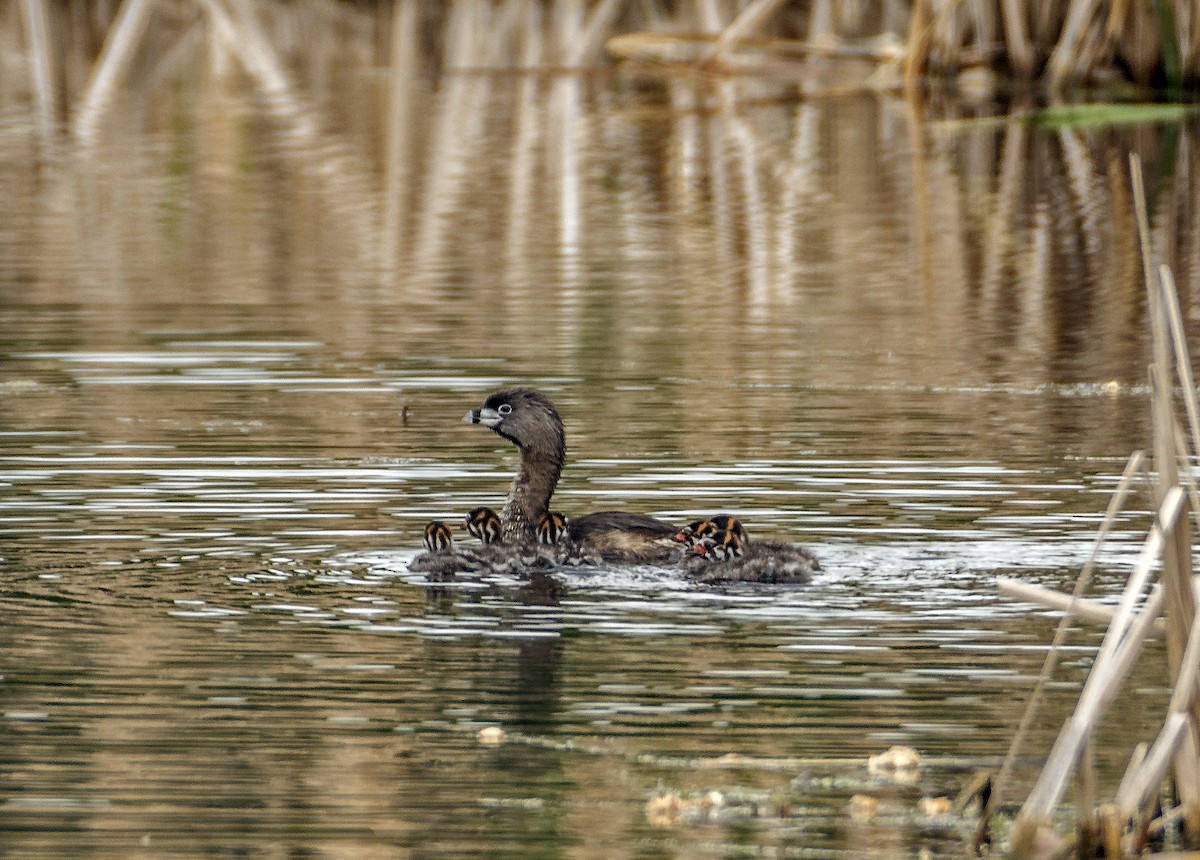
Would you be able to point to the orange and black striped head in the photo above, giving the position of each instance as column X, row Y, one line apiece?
column 728, row 522
column 720, row 545
column 688, row 534
column 484, row 524
column 694, row 532
column 437, row 537
column 550, row 528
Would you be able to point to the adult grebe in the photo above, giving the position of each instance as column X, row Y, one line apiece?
column 530, row 421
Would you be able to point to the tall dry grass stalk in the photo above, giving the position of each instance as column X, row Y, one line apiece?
column 41, row 64
column 1060, row 43
column 1121, row 827
column 119, row 47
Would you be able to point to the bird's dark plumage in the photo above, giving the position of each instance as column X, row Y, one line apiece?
column 530, row 421
column 531, row 534
column 725, row 556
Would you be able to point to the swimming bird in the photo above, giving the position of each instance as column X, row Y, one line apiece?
column 529, row 420
column 440, row 561
column 443, row 561
column 695, row 531
column 550, row 528
column 484, row 523
column 725, row 556
column 437, row 537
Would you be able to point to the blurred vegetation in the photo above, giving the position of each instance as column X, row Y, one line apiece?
column 68, row 57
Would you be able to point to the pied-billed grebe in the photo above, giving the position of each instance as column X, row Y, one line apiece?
column 437, row 537
column 550, row 528
column 530, row 421
column 483, row 523
column 440, row 560
column 726, row 556
column 696, row 531
column 443, row 560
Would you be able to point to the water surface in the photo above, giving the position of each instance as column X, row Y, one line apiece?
column 232, row 371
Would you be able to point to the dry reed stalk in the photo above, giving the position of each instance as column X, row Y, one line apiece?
column 820, row 22
column 457, row 117
column 1177, row 574
column 41, row 65
column 747, row 21
column 938, row 40
column 1110, row 831
column 1135, row 761
column 1189, row 479
column 1187, row 19
column 998, row 231
column 711, row 19
column 1120, row 647
column 986, row 25
column 522, row 178
column 595, row 31
column 1136, row 788
column 918, row 50
column 570, row 131
column 1085, row 781
column 1175, row 747
column 1095, row 50
column 1074, row 606
column 119, row 47
column 1183, row 362
column 1064, row 66
column 1080, row 609
column 566, row 23
column 1177, row 561
column 1118, row 14
column 1045, row 22
column 1016, row 38
column 401, row 79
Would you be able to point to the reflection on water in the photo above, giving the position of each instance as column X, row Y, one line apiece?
column 232, row 369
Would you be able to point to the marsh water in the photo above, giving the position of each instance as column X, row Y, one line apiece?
column 234, row 357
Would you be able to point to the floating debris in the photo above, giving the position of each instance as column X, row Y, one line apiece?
column 935, row 806
column 863, row 807
column 670, row 808
column 899, row 763
column 491, row 735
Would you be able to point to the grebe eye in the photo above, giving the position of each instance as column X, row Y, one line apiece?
column 504, row 409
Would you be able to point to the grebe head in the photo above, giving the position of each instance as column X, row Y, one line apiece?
column 721, row 545
column 694, row 532
column 483, row 523
column 523, row 417
column 550, row 528
column 437, row 537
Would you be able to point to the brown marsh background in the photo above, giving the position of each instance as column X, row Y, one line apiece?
column 257, row 259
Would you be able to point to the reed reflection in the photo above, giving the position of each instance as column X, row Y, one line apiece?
column 911, row 331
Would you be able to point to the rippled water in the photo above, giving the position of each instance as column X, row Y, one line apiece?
column 224, row 428
column 214, row 642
